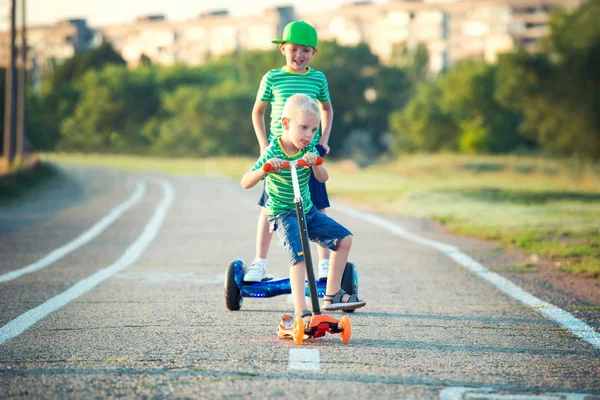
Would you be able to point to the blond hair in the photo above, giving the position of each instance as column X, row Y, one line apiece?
column 300, row 103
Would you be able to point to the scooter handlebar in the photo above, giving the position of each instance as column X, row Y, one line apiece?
column 267, row 167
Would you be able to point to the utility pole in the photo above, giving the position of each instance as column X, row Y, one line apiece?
column 11, row 92
column 21, row 98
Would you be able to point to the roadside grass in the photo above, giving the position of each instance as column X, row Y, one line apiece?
column 20, row 182
column 550, row 208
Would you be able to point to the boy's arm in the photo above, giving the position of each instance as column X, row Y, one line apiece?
column 319, row 171
column 326, row 122
column 251, row 178
column 258, row 121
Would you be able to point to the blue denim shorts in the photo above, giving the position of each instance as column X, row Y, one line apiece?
column 322, row 229
column 318, row 191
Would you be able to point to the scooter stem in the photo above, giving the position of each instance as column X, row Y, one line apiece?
column 310, row 274
column 295, row 183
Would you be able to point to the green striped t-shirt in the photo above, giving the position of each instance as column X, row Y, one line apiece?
column 278, row 85
column 279, row 184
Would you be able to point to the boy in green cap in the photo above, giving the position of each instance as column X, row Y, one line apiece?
column 299, row 45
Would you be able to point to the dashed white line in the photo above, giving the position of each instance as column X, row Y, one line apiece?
column 82, row 239
column 304, row 360
column 462, row 393
column 562, row 317
column 31, row 317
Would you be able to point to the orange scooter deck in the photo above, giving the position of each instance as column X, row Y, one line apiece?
column 320, row 325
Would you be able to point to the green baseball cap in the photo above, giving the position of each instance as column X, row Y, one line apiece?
column 298, row 32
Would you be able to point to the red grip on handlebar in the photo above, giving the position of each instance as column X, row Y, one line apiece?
column 286, row 164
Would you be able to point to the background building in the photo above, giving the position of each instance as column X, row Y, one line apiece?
column 451, row 31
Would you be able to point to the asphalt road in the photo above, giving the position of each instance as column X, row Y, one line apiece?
column 111, row 285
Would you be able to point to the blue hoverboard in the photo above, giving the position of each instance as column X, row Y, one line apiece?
column 236, row 289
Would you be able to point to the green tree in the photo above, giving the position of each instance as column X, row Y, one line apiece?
column 250, row 66
column 75, row 67
column 145, row 60
column 458, row 111
column 169, row 78
column 113, row 106
column 213, row 122
column 45, row 113
column 558, row 90
column 424, row 125
column 468, row 96
column 475, row 136
column 363, row 92
column 414, row 61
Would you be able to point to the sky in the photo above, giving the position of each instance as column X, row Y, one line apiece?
column 104, row 12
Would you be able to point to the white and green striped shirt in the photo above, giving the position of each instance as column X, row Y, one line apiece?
column 279, row 184
column 278, row 85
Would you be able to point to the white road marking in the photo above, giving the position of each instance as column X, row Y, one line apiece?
column 304, row 360
column 82, row 239
column 31, row 317
column 461, row 393
column 562, row 317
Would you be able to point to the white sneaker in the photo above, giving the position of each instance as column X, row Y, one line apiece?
column 323, row 269
column 256, row 272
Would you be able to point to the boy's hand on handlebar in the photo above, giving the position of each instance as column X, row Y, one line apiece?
column 310, row 159
column 276, row 164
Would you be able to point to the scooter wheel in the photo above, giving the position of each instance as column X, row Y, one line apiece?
column 298, row 330
column 346, row 327
column 233, row 294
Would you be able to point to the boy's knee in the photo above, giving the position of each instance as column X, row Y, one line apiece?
column 345, row 243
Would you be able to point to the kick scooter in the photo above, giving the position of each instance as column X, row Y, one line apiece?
column 320, row 324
